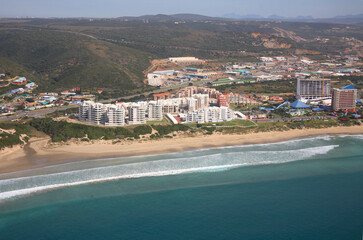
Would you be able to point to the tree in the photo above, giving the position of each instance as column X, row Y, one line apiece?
column 21, row 107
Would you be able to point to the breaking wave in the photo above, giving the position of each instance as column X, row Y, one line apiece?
column 17, row 187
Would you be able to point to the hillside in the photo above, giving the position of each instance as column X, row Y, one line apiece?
column 113, row 53
column 61, row 60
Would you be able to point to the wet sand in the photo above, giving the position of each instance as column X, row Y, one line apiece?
column 39, row 153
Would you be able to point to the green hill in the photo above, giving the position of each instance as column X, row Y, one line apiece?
column 58, row 60
column 113, row 53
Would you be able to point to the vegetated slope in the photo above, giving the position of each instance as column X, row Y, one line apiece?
column 165, row 36
column 216, row 39
column 112, row 53
column 60, row 60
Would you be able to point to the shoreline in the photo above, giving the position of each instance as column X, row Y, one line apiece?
column 38, row 153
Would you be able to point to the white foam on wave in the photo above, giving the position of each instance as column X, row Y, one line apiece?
column 292, row 142
column 288, row 143
column 356, row 136
column 13, row 188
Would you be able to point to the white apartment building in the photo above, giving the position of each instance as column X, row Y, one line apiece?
column 96, row 113
column 115, row 115
column 183, row 105
column 154, row 111
column 192, row 90
column 83, row 110
column 136, row 114
column 210, row 114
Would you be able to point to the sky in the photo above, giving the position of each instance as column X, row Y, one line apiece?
column 215, row 8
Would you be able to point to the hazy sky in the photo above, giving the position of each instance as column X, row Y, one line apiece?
column 117, row 8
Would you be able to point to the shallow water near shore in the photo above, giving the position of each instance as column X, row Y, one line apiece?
column 301, row 189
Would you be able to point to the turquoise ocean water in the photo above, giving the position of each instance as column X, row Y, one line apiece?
column 301, row 189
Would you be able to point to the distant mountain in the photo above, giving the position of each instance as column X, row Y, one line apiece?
column 304, row 17
column 351, row 16
column 194, row 17
column 174, row 17
column 276, row 17
column 237, row 16
column 347, row 19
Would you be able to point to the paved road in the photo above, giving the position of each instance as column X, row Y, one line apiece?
column 42, row 112
column 35, row 113
column 293, row 119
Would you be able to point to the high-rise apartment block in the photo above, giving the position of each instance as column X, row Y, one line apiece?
column 313, row 89
column 344, row 98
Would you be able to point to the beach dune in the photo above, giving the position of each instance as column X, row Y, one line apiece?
column 39, row 153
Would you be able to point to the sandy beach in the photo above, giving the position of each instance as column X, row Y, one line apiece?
column 39, row 153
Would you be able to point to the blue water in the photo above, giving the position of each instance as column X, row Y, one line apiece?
column 302, row 189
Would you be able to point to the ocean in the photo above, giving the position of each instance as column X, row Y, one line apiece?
column 308, row 188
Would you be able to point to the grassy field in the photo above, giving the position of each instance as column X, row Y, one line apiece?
column 233, row 123
column 268, row 87
column 163, row 122
column 61, row 131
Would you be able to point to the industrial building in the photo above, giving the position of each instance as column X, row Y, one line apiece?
column 158, row 78
column 186, row 60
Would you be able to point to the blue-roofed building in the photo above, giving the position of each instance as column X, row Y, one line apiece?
column 298, row 104
column 190, row 69
column 351, row 86
column 19, row 81
column 30, row 85
column 266, row 109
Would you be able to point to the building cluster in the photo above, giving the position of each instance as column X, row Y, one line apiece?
column 286, row 67
column 133, row 113
column 267, row 69
column 115, row 114
column 217, row 98
column 317, row 91
column 27, row 87
column 182, row 75
column 23, row 98
column 188, row 105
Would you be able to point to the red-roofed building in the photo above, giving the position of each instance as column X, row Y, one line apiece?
column 276, row 99
column 161, row 96
column 222, row 101
column 75, row 89
column 19, row 81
